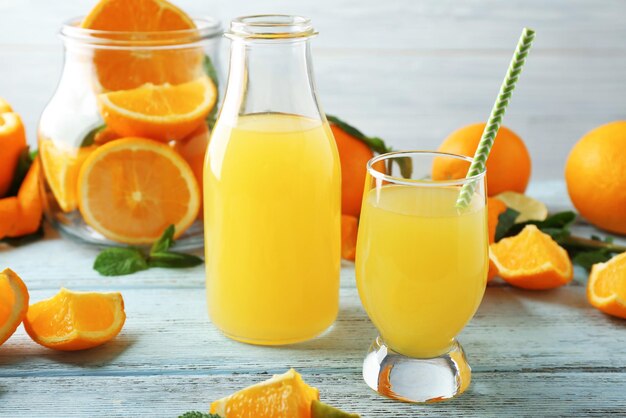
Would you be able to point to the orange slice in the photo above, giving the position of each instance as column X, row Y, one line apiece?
column 284, row 395
column 532, row 260
column 71, row 321
column 131, row 189
column 61, row 166
column 13, row 303
column 120, row 69
column 162, row 112
column 606, row 288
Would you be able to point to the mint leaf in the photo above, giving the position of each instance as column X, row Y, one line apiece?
column 173, row 260
column 587, row 259
column 120, row 261
column 165, row 242
column 506, row 221
column 375, row 143
column 196, row 414
column 322, row 410
column 557, row 226
column 91, row 136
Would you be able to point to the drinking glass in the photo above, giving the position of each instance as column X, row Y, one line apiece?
column 421, row 269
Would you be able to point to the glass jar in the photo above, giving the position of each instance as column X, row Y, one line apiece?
column 157, row 86
column 272, row 191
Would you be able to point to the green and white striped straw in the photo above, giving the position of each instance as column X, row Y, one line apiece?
column 495, row 119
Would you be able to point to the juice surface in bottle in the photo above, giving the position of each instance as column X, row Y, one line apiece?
column 421, row 265
column 272, row 228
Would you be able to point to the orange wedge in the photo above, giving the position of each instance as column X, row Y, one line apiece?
column 120, row 69
column 531, row 260
column 606, row 288
column 13, row 303
column 284, row 395
column 71, row 321
column 131, row 189
column 165, row 112
column 61, row 165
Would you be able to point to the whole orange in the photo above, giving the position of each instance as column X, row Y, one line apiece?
column 595, row 173
column 508, row 165
column 353, row 155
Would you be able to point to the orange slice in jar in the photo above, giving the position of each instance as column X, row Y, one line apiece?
column 128, row 68
column 164, row 112
column 131, row 189
column 61, row 165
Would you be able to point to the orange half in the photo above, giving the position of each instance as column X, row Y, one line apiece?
column 284, row 395
column 531, row 260
column 131, row 189
column 162, row 112
column 606, row 288
column 71, row 321
column 121, row 69
column 13, row 303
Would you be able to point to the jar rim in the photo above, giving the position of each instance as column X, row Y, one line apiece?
column 206, row 28
column 271, row 27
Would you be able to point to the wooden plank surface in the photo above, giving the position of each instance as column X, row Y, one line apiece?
column 411, row 72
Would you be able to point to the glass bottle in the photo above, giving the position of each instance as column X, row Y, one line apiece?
column 272, row 187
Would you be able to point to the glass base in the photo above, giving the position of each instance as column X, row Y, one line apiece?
column 74, row 227
column 415, row 379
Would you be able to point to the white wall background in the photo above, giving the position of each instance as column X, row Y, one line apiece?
column 408, row 71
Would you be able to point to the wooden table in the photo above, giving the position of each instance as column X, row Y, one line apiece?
column 533, row 353
column 409, row 71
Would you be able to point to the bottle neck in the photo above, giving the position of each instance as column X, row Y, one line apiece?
column 270, row 77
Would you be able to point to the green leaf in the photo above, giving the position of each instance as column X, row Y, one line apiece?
column 164, row 242
column 211, row 72
column 172, row 259
column 557, row 226
column 321, row 410
column 24, row 162
column 196, row 414
column 587, row 259
column 89, row 139
column 506, row 221
column 376, row 144
column 120, row 261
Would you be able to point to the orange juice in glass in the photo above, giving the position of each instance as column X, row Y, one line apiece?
column 421, row 268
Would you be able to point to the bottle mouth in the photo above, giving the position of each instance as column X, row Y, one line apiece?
column 206, row 28
column 271, row 26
